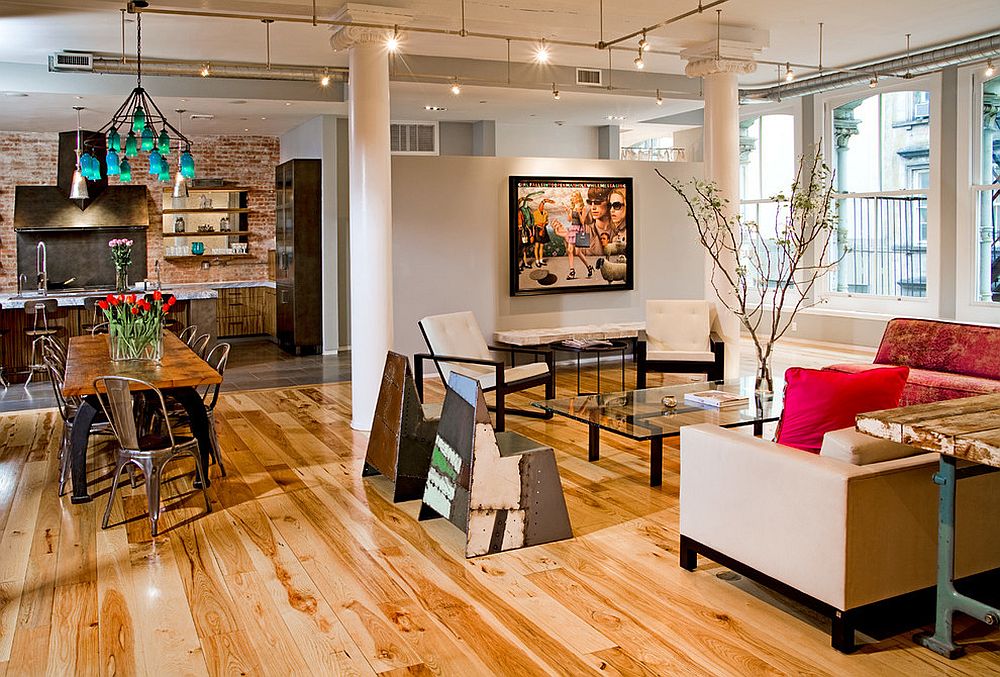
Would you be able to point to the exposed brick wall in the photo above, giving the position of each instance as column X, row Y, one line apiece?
column 29, row 158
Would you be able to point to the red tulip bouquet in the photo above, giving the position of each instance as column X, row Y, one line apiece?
column 135, row 325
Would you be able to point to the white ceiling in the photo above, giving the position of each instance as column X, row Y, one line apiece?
column 854, row 31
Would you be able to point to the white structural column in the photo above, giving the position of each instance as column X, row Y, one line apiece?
column 370, row 213
column 722, row 166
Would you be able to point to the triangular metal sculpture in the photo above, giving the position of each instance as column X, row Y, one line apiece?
column 501, row 489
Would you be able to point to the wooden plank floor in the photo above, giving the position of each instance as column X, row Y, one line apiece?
column 303, row 568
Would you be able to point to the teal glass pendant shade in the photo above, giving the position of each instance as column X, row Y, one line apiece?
column 125, row 170
column 154, row 162
column 147, row 140
column 86, row 166
column 111, row 162
column 138, row 119
column 164, row 174
column 163, row 144
column 131, row 148
column 187, row 165
column 114, row 141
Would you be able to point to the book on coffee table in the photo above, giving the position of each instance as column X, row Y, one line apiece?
column 716, row 398
column 586, row 343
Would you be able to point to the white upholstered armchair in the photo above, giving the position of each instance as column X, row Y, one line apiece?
column 455, row 343
column 679, row 339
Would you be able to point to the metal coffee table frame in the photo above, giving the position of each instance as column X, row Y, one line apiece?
column 640, row 415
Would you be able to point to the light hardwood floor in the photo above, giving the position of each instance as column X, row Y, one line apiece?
column 304, row 568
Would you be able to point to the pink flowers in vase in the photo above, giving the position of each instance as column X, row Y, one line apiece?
column 121, row 257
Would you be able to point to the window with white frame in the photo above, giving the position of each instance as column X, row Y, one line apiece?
column 882, row 163
column 767, row 169
column 987, row 192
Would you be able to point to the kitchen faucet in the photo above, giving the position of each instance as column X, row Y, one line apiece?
column 156, row 266
column 41, row 268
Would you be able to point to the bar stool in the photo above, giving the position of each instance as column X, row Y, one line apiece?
column 91, row 311
column 39, row 329
column 3, row 332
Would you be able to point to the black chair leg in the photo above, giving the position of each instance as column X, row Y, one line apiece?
column 501, row 410
column 842, row 632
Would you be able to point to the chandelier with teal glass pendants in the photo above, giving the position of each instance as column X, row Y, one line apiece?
column 139, row 128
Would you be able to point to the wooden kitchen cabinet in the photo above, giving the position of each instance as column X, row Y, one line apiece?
column 244, row 311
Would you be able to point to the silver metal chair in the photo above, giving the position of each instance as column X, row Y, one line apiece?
column 200, row 346
column 3, row 381
column 53, row 351
column 91, row 315
column 217, row 358
column 67, row 411
column 151, row 452
column 188, row 334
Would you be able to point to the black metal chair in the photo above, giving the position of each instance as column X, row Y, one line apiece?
column 150, row 452
column 456, row 343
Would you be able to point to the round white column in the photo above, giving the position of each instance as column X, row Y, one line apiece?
column 722, row 166
column 371, row 222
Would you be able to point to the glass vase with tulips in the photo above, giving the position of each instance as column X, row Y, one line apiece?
column 135, row 325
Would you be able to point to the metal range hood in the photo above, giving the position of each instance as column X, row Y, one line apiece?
column 50, row 208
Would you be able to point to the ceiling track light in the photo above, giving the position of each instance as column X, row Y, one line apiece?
column 789, row 73
column 542, row 54
column 206, row 70
column 392, row 44
column 639, row 63
column 555, row 92
column 990, row 70
column 873, row 83
column 659, row 99
column 644, row 45
column 907, row 75
column 325, row 80
column 456, row 88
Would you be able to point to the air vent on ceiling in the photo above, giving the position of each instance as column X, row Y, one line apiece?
column 413, row 138
column 71, row 61
column 202, row 116
column 588, row 77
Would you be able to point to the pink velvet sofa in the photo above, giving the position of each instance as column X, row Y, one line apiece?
column 947, row 360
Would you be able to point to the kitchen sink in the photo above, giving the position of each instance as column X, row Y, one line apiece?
column 69, row 291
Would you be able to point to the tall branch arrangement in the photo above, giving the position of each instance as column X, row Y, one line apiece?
column 765, row 277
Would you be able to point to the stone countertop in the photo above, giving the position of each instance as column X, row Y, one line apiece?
column 183, row 292
column 537, row 337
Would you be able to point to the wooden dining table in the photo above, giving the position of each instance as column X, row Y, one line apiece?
column 179, row 374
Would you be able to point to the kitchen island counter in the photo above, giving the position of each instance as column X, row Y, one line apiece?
column 184, row 292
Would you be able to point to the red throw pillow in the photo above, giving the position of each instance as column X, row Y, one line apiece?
column 818, row 401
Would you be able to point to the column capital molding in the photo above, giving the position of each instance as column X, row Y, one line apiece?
column 699, row 68
column 368, row 19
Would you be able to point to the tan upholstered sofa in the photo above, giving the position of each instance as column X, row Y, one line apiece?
column 840, row 531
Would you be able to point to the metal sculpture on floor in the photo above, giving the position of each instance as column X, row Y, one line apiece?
column 403, row 432
column 501, row 489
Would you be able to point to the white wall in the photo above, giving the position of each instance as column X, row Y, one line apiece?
column 304, row 142
column 549, row 140
column 450, row 244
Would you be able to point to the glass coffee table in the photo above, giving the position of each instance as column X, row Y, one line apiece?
column 641, row 414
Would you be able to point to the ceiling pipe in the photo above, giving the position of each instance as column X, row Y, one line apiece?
column 978, row 49
column 110, row 65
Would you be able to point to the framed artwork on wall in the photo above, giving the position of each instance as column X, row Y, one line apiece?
column 570, row 234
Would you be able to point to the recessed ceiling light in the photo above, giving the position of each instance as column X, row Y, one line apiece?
column 263, row 117
column 288, row 103
column 618, row 118
column 246, row 129
column 435, row 108
column 78, row 98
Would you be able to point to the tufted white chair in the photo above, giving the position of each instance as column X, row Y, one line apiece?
column 455, row 343
column 679, row 339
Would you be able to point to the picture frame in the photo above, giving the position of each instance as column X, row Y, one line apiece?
column 570, row 234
